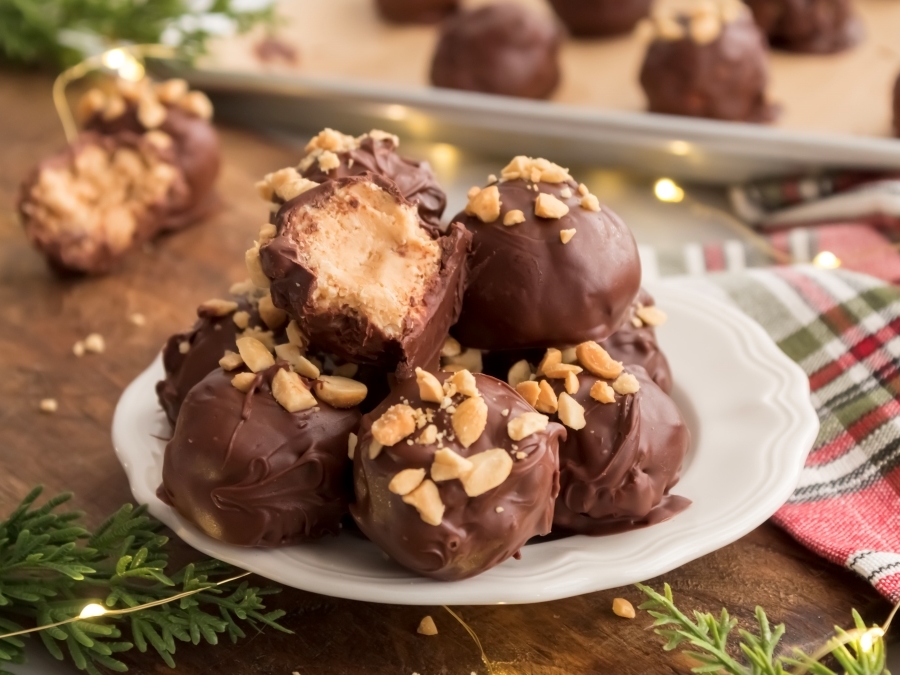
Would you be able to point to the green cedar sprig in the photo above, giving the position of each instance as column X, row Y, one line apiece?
column 706, row 640
column 59, row 33
column 51, row 567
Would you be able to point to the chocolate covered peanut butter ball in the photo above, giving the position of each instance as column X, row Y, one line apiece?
column 416, row 11
column 710, row 61
column 625, row 442
column 808, row 26
column 145, row 164
column 550, row 264
column 258, row 457
column 502, row 48
column 453, row 473
column 600, row 18
column 361, row 273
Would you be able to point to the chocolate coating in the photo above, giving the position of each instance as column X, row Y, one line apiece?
column 208, row 340
column 637, row 346
column 724, row 79
column 60, row 201
column 529, row 290
column 472, row 536
column 600, row 18
column 616, row 472
column 249, row 473
column 415, row 180
column 352, row 336
column 501, row 48
column 808, row 26
column 195, row 150
column 416, row 11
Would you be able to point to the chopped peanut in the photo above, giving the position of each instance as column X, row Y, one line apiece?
column 449, row 465
column 395, row 424
column 571, row 412
column 255, row 354
column 429, row 387
column 469, row 420
column 290, row 392
column 406, row 481
column 526, row 424
column 489, row 469
column 529, row 390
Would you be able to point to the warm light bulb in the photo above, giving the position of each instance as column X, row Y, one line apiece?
column 92, row 610
column 667, row 190
column 113, row 59
column 680, row 148
column 867, row 639
column 131, row 70
column 826, row 260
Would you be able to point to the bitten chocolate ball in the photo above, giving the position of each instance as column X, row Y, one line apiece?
column 711, row 63
column 453, row 473
column 550, row 265
column 416, row 11
column 146, row 164
column 257, row 460
column 363, row 276
column 600, row 18
column 635, row 343
column 808, row 26
column 331, row 155
column 501, row 48
column 625, row 440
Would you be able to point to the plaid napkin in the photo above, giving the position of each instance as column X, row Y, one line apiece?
column 843, row 329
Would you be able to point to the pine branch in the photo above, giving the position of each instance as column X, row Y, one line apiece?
column 51, row 567
column 709, row 638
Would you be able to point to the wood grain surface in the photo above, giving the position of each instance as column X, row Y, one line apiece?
column 41, row 316
column 345, row 40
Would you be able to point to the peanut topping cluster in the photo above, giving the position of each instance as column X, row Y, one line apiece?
column 151, row 101
column 701, row 21
column 478, row 473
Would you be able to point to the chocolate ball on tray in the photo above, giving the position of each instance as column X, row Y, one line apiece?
column 708, row 61
column 416, row 11
column 364, row 277
column 502, row 48
column 550, row 265
column 808, row 26
column 625, row 442
column 600, row 18
column 453, row 473
column 258, row 457
column 331, row 154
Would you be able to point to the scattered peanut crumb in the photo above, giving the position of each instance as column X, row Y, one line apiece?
column 565, row 236
column 137, row 319
column 95, row 343
column 184, row 347
column 49, row 405
column 499, row 509
column 78, row 348
column 565, row 193
column 621, row 607
column 513, row 217
column 548, row 206
column 427, row 627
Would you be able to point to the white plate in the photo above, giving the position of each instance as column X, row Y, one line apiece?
column 748, row 409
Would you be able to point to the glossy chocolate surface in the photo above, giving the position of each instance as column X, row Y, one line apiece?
column 529, row 290
column 473, row 536
column 600, row 18
column 416, row 11
column 808, row 26
column 248, row 472
column 502, row 48
column 724, row 79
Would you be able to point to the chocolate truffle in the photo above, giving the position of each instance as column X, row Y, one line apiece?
column 600, row 18
column 331, row 154
column 709, row 63
column 635, row 344
column 453, row 473
column 170, row 116
column 257, row 460
column 625, row 440
column 416, row 11
column 550, row 266
column 809, row 26
column 364, row 278
column 501, row 48
column 103, row 195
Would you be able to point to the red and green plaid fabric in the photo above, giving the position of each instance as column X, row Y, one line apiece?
column 843, row 329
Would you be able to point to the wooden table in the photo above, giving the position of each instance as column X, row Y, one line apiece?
column 42, row 316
